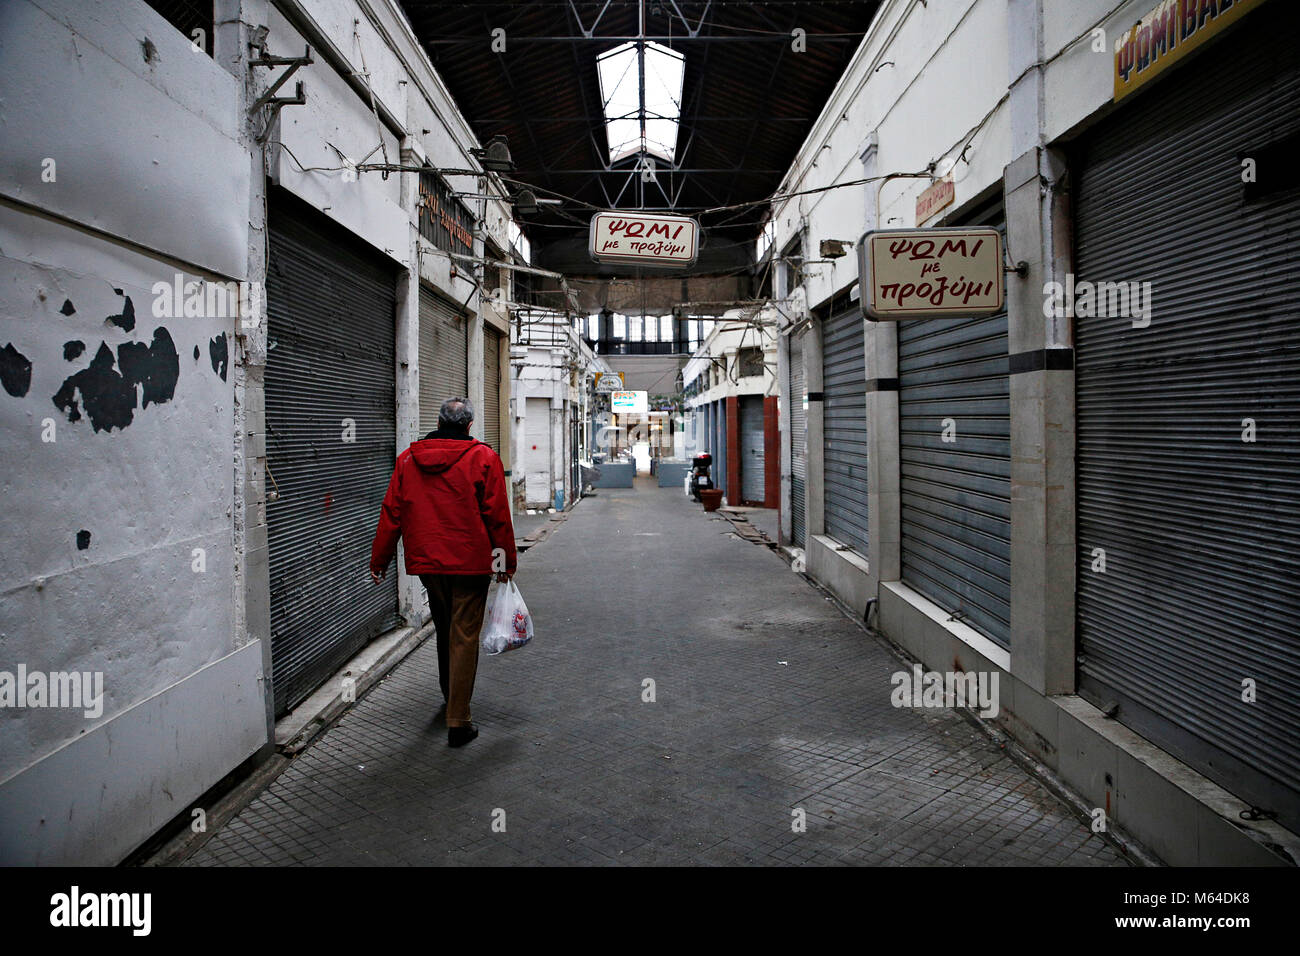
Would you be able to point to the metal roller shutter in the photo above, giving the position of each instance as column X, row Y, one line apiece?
column 331, row 327
column 444, row 351
column 956, row 494
column 491, row 413
column 752, row 442
column 1200, row 530
column 798, row 443
column 844, row 411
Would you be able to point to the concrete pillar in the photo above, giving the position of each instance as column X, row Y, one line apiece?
column 234, row 22
column 880, row 343
column 815, row 490
column 884, row 502
column 785, row 529
column 1042, row 382
column 410, row 593
column 732, row 426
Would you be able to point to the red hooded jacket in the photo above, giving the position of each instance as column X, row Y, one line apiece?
column 447, row 502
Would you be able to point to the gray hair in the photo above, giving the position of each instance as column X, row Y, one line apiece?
column 456, row 413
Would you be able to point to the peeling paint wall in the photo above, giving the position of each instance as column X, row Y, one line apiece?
column 117, row 415
column 134, row 421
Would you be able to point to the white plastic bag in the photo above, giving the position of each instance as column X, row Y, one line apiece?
column 507, row 623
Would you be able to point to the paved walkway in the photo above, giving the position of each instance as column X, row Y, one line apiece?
column 767, row 700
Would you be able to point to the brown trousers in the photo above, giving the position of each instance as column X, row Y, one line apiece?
column 457, row 602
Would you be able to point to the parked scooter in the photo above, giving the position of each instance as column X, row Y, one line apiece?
column 700, row 479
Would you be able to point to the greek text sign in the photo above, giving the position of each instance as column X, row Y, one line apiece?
column 930, row 273
column 633, row 402
column 936, row 197
column 609, row 382
column 1169, row 32
column 642, row 239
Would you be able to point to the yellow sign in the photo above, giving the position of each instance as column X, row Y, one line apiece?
column 1168, row 33
column 609, row 382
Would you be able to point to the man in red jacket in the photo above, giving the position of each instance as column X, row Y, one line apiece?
column 447, row 502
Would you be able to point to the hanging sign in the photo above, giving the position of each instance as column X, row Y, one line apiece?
column 629, row 402
column 936, row 197
column 607, row 382
column 1170, row 31
column 930, row 273
column 643, row 239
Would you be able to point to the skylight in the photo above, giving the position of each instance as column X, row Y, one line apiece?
column 632, row 125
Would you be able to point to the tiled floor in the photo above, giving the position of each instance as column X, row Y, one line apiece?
column 768, row 705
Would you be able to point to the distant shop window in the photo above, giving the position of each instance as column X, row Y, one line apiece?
column 792, row 263
column 192, row 17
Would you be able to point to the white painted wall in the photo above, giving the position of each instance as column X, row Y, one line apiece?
column 142, row 150
column 947, row 73
column 154, row 173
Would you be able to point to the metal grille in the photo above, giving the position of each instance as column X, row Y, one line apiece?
column 491, row 413
column 444, row 353
column 798, row 443
column 954, row 422
column 1200, row 530
column 331, row 320
column 752, row 454
column 844, row 442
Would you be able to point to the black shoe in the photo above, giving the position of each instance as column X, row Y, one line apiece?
column 460, row 736
column 441, row 715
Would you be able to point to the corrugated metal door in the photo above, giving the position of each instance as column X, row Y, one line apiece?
column 751, row 448
column 798, row 443
column 954, row 423
column 444, row 351
column 1196, row 517
column 844, row 441
column 491, row 413
column 719, row 472
column 331, row 434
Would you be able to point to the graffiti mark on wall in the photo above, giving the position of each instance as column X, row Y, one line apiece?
column 15, row 371
column 108, row 395
column 220, row 355
column 126, row 319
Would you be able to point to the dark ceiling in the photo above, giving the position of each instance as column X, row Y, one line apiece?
column 749, row 98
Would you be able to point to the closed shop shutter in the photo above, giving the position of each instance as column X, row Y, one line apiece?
column 491, row 413
column 720, row 459
column 751, row 448
column 331, row 307
column 798, row 443
column 1199, row 529
column 444, row 345
column 537, row 452
column 844, row 412
column 954, row 422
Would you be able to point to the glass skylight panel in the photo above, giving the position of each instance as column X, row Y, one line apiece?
column 634, row 125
